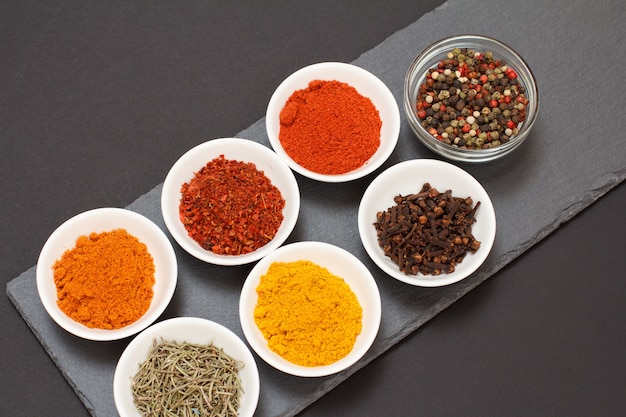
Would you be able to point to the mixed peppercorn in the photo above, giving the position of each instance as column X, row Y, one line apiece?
column 471, row 100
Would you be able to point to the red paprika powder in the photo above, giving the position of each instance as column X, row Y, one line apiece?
column 329, row 128
column 230, row 207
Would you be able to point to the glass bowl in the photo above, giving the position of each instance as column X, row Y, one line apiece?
column 430, row 58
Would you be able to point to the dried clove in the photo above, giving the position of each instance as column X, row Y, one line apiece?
column 428, row 232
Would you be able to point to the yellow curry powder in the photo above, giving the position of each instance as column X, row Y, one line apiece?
column 106, row 280
column 308, row 315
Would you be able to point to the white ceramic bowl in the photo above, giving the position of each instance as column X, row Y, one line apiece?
column 407, row 178
column 233, row 149
column 339, row 262
column 367, row 84
column 105, row 220
column 191, row 330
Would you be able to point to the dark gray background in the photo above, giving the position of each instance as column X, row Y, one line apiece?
column 83, row 126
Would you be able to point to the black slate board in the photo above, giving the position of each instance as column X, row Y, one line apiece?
column 553, row 176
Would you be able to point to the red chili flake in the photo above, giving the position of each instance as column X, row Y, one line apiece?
column 230, row 207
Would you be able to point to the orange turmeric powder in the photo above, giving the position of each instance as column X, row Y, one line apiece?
column 308, row 315
column 106, row 280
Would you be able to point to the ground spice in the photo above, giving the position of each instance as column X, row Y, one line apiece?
column 471, row 100
column 428, row 232
column 308, row 315
column 329, row 128
column 106, row 280
column 187, row 380
column 230, row 207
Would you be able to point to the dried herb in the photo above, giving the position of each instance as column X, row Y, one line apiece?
column 428, row 232
column 230, row 207
column 187, row 380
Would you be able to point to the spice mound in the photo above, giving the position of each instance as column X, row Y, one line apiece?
column 428, row 232
column 309, row 316
column 231, row 208
column 187, row 380
column 472, row 100
column 329, row 128
column 106, row 280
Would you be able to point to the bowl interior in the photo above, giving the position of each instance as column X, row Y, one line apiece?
column 430, row 57
column 234, row 149
column 339, row 262
column 367, row 84
column 191, row 330
column 408, row 177
column 103, row 220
